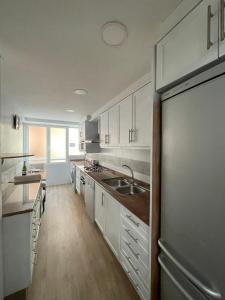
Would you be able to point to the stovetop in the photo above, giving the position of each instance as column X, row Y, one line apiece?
column 96, row 169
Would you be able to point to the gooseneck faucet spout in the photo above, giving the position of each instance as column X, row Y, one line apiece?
column 132, row 173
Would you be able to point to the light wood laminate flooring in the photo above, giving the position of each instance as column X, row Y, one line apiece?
column 74, row 262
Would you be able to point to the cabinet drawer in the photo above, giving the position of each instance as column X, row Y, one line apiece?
column 135, row 222
column 142, row 291
column 141, row 254
column 141, row 271
column 131, row 233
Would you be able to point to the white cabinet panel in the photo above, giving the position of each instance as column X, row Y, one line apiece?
column 113, row 139
column 222, row 28
column 125, row 107
column 104, row 128
column 100, row 208
column 112, row 229
column 191, row 44
column 142, row 117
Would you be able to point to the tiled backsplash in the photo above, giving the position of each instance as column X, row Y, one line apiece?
column 138, row 160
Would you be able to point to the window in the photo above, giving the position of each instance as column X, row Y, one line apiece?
column 51, row 144
column 57, row 144
column 38, row 143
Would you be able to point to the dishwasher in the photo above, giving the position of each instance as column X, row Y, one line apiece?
column 89, row 197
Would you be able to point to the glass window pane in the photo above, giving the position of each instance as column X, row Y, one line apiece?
column 38, row 143
column 58, row 144
column 73, row 141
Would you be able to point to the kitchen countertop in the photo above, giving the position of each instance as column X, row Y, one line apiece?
column 138, row 204
column 21, row 200
column 77, row 162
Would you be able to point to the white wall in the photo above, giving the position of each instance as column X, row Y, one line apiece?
column 1, row 267
column 11, row 141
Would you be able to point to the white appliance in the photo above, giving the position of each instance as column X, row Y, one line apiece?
column 192, row 240
column 89, row 197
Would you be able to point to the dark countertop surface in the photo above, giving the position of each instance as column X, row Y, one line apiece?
column 21, row 200
column 138, row 204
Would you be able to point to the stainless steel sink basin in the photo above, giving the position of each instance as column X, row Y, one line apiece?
column 116, row 182
column 129, row 190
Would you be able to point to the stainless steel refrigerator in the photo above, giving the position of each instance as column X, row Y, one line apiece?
column 192, row 242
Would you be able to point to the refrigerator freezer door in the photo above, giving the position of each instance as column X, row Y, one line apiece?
column 193, row 182
column 174, row 285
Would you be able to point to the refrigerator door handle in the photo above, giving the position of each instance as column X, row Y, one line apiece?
column 212, row 294
column 161, row 260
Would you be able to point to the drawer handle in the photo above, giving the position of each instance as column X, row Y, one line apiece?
column 130, row 262
column 133, row 238
column 209, row 17
column 134, row 253
column 130, row 218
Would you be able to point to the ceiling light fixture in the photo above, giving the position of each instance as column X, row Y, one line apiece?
column 70, row 110
column 80, row 92
column 114, row 33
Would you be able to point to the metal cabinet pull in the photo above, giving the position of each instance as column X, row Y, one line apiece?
column 131, row 263
column 130, row 218
column 102, row 200
column 133, row 131
column 133, row 238
column 129, row 136
column 209, row 17
column 105, row 139
column 131, row 249
column 222, row 32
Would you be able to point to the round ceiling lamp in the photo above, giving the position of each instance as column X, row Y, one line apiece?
column 80, row 92
column 114, row 33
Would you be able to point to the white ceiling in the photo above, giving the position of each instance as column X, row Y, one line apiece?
column 51, row 47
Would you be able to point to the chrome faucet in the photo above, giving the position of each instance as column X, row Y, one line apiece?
column 132, row 173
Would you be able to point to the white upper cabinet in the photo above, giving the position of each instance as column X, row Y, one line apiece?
column 125, row 120
column 141, row 134
column 191, row 44
column 104, row 128
column 113, row 138
column 222, row 28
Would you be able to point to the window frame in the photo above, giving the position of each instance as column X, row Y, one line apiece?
column 48, row 138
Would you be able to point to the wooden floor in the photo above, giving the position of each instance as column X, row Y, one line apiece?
column 74, row 262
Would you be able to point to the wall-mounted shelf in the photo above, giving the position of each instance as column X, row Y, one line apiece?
column 13, row 155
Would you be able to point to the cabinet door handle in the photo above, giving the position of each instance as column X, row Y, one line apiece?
column 222, row 32
column 130, row 218
column 131, row 263
column 131, row 249
column 209, row 17
column 102, row 200
column 133, row 238
column 129, row 136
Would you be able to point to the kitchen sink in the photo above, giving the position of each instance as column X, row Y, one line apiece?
column 129, row 190
column 116, row 182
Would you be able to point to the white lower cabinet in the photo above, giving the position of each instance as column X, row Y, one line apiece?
column 134, row 252
column 107, row 217
column 100, row 208
column 20, row 235
column 112, row 224
column 78, row 179
column 128, row 238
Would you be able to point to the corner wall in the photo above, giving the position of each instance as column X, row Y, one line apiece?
column 11, row 141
